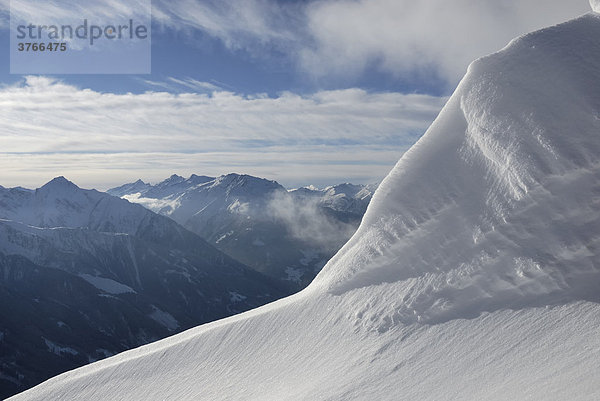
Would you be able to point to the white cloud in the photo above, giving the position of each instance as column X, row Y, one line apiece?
column 51, row 128
column 176, row 85
column 307, row 221
column 238, row 23
column 407, row 36
column 42, row 11
column 343, row 38
column 194, row 84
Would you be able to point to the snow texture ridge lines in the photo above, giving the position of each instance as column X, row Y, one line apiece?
column 497, row 205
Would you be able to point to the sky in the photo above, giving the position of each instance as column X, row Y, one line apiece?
column 303, row 92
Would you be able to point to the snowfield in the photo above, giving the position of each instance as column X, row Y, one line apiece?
column 294, row 350
column 475, row 274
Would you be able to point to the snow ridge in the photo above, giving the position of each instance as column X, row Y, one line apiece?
column 469, row 219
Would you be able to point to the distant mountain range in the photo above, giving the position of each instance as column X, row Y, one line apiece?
column 287, row 235
column 85, row 275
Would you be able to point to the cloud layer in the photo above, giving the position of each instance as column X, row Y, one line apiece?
column 344, row 39
column 101, row 139
column 49, row 128
column 428, row 37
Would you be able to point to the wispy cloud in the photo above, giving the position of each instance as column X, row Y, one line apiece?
column 238, row 23
column 50, row 128
column 345, row 38
column 407, row 36
column 177, row 85
column 307, row 221
column 36, row 11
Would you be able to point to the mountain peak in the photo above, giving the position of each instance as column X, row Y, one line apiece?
column 199, row 179
column 131, row 188
column 251, row 183
column 59, row 179
column 174, row 179
column 60, row 182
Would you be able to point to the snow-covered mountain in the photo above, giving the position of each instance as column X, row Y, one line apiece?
column 343, row 198
column 288, row 235
column 474, row 275
column 84, row 275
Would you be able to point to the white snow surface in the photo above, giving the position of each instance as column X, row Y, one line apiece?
column 59, row 350
column 595, row 5
column 107, row 285
column 164, row 318
column 474, row 275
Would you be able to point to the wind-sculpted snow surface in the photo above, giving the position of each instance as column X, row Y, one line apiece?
column 497, row 205
column 474, row 275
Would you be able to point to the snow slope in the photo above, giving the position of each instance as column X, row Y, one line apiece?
column 474, row 274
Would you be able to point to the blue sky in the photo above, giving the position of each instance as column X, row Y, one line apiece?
column 303, row 92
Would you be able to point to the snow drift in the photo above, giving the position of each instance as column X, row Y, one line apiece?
column 474, row 275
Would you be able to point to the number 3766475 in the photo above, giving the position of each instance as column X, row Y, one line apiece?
column 41, row 47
